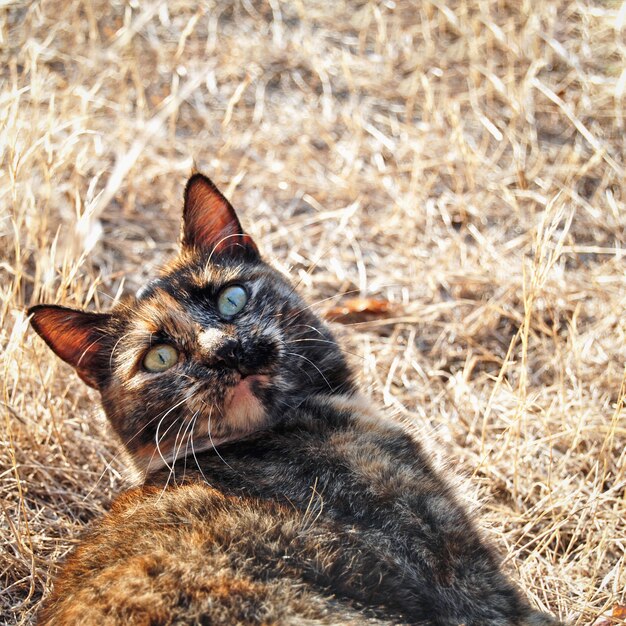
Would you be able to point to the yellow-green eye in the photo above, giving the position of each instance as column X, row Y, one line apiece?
column 231, row 300
column 160, row 358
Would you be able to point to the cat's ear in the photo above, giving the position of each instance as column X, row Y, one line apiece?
column 210, row 223
column 77, row 337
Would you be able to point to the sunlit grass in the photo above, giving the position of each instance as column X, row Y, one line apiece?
column 462, row 160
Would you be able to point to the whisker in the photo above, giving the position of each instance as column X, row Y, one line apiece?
column 306, row 308
column 108, row 464
column 332, row 343
column 213, row 444
column 224, row 239
column 172, row 468
column 304, row 370
column 193, row 451
column 313, row 328
column 158, row 449
column 314, row 264
column 159, row 439
column 177, row 452
column 315, row 366
column 310, row 270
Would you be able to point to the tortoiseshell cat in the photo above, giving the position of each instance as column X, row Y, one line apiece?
column 273, row 493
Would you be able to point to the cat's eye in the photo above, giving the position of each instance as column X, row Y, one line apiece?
column 160, row 358
column 231, row 300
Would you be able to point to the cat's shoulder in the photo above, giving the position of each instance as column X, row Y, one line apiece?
column 361, row 414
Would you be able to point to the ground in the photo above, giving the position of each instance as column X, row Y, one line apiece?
column 460, row 164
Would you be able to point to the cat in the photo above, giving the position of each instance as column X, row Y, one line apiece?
column 273, row 492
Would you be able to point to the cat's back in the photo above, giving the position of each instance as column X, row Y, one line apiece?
column 189, row 554
column 337, row 520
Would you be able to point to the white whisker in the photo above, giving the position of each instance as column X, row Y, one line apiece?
column 193, row 451
column 315, row 366
column 320, row 341
column 213, row 444
column 159, row 439
column 151, row 421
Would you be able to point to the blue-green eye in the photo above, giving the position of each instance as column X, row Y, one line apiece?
column 231, row 300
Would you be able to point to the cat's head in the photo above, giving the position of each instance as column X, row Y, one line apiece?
column 218, row 346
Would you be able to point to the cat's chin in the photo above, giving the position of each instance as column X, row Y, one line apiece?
column 242, row 404
column 153, row 462
column 241, row 414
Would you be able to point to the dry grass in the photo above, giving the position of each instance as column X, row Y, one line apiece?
column 464, row 160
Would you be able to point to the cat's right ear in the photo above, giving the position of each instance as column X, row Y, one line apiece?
column 210, row 223
column 77, row 337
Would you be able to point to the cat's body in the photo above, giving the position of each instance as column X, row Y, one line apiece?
column 273, row 494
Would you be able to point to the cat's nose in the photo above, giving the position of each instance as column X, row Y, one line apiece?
column 228, row 354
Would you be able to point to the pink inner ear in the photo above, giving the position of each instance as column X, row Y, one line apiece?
column 210, row 216
column 75, row 345
column 74, row 336
column 210, row 222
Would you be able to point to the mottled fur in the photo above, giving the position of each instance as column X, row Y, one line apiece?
column 273, row 493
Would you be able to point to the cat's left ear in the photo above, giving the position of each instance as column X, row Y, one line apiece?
column 210, row 223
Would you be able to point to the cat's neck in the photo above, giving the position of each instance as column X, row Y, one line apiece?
column 319, row 411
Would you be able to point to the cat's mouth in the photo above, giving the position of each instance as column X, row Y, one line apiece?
column 244, row 394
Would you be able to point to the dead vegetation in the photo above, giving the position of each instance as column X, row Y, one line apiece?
column 461, row 162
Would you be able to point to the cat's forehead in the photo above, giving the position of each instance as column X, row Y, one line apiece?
column 205, row 275
column 179, row 291
column 190, row 277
